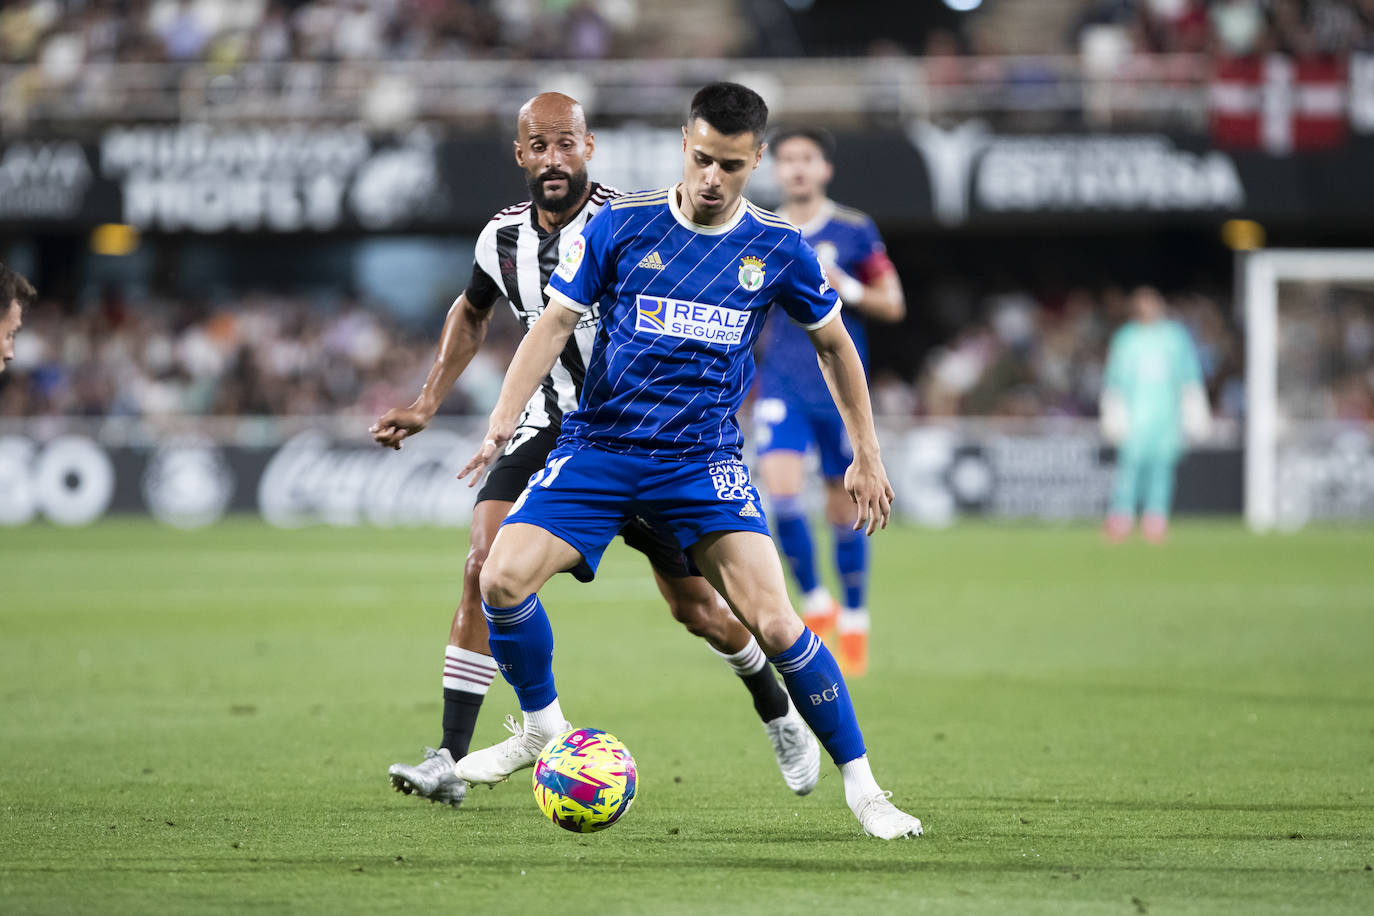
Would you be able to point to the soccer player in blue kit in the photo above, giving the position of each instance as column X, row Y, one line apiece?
column 794, row 410
column 682, row 279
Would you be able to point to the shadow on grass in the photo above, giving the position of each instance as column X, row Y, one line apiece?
column 810, row 866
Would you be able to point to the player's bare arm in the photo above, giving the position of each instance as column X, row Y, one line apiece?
column 866, row 480
column 881, row 300
column 533, row 360
column 464, row 330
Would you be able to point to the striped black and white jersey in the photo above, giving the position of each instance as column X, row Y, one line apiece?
column 515, row 259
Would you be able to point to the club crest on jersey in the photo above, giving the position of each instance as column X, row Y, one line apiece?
column 690, row 320
column 751, row 273
column 572, row 258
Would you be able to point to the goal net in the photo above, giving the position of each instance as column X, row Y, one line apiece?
column 1309, row 387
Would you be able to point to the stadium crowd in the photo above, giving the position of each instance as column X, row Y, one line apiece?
column 280, row 355
column 1237, row 28
column 62, row 35
column 259, row 355
column 1030, row 358
column 1326, row 353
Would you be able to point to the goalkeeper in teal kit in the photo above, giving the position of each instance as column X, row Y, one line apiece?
column 1152, row 399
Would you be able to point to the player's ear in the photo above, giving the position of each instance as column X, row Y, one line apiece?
column 590, row 144
column 758, row 156
column 519, row 154
column 684, row 138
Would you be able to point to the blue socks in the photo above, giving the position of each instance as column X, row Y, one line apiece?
column 851, row 559
column 795, row 538
column 819, row 692
column 522, row 644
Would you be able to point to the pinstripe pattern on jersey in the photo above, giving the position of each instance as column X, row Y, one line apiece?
column 673, row 393
column 520, row 257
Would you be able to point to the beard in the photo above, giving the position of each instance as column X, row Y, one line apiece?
column 577, row 186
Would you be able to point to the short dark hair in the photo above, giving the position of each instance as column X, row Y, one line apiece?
column 13, row 287
column 817, row 135
column 731, row 109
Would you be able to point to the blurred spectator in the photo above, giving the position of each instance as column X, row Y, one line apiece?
column 62, row 34
column 1326, row 353
column 262, row 354
column 278, row 355
column 1033, row 358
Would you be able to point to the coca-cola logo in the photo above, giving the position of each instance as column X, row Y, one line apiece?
column 311, row 480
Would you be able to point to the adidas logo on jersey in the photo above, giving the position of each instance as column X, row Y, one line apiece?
column 749, row 510
column 652, row 261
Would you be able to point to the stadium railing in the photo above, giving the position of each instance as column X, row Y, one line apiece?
column 1164, row 90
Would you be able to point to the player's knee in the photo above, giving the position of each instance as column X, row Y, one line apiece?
column 472, row 568
column 776, row 632
column 503, row 582
column 839, row 508
column 701, row 616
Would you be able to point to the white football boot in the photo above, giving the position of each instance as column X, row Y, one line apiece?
column 884, row 820
column 796, row 749
column 494, row 764
column 433, row 779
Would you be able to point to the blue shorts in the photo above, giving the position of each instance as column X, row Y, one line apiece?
column 584, row 496
column 780, row 426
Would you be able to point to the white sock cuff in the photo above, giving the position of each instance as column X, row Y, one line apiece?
column 858, row 780
column 547, row 722
column 747, row 661
column 818, row 600
column 469, row 671
column 853, row 620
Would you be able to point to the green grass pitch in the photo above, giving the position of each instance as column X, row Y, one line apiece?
column 201, row 723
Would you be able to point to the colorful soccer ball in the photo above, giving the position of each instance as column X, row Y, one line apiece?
column 585, row 780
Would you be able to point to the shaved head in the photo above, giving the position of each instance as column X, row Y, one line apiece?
column 550, row 110
column 552, row 145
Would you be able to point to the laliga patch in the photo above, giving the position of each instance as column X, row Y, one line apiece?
column 690, row 320
column 572, row 258
column 751, row 273
column 825, row 277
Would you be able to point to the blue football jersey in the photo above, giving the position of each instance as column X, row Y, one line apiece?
column 847, row 239
column 681, row 308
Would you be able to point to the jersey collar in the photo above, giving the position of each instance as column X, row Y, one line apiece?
column 817, row 222
column 698, row 228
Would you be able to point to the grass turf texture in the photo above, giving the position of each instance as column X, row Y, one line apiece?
column 201, row 722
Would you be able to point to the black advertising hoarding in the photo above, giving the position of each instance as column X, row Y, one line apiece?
column 987, row 469
column 321, row 179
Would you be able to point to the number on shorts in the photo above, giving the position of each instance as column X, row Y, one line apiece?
column 544, row 477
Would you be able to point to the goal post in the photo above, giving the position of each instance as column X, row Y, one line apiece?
column 1264, row 275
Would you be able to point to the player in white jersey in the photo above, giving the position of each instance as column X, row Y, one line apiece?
column 682, row 278
column 516, row 253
